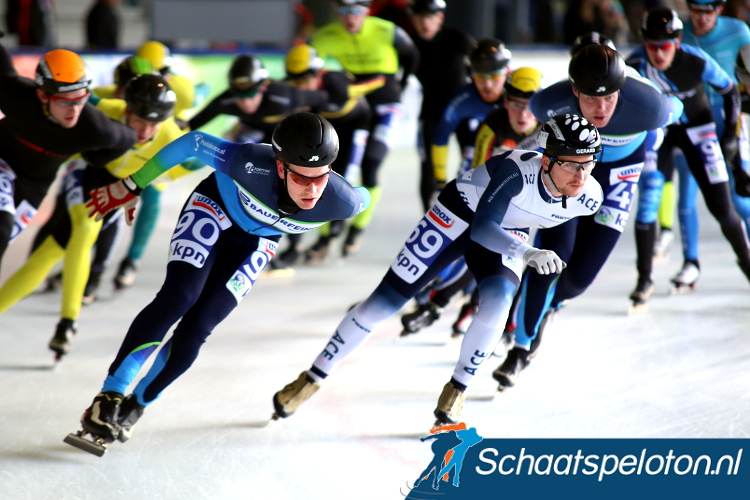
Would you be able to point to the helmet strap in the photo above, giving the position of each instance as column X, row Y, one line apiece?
column 287, row 206
column 548, row 178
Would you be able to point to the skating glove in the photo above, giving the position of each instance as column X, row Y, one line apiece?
column 544, row 261
column 107, row 198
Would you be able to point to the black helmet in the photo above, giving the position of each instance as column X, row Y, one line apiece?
column 246, row 74
column 427, row 6
column 597, row 70
column 305, row 139
column 591, row 38
column 488, row 56
column 569, row 135
column 661, row 24
column 130, row 67
column 150, row 97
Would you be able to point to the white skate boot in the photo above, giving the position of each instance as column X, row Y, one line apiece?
column 685, row 280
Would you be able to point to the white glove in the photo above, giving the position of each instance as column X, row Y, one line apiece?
column 544, row 261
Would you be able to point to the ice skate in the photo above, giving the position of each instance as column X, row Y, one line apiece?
column 130, row 412
column 54, row 283
column 684, row 281
column 63, row 338
column 100, row 422
column 449, row 407
column 639, row 297
column 422, row 317
column 89, row 294
column 126, row 274
column 353, row 242
column 277, row 268
column 465, row 316
column 664, row 241
column 508, row 372
column 318, row 253
column 288, row 399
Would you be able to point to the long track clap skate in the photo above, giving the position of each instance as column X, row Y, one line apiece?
column 100, row 421
column 684, row 281
column 639, row 297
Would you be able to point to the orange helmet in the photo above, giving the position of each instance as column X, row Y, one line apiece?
column 62, row 71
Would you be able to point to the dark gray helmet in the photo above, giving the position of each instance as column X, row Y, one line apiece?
column 597, row 70
column 569, row 135
column 150, row 97
column 246, row 75
column 305, row 139
column 488, row 56
column 661, row 24
column 591, row 38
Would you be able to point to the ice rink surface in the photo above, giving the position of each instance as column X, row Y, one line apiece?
column 679, row 370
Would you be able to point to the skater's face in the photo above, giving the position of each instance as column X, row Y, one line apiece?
column 597, row 109
column 704, row 21
column 65, row 108
column 489, row 85
column 519, row 115
column 307, row 82
column 304, row 184
column 352, row 17
column 144, row 129
column 569, row 173
column 661, row 53
column 428, row 24
column 249, row 103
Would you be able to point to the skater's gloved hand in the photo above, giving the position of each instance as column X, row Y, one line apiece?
column 107, row 198
column 129, row 209
column 730, row 148
column 544, row 261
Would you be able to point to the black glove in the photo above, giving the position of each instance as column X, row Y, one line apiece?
column 741, row 182
column 730, row 148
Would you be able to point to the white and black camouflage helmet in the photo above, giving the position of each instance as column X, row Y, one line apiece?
column 569, row 135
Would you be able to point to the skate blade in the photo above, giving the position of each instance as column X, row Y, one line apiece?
column 96, row 446
column 638, row 308
column 682, row 289
column 278, row 273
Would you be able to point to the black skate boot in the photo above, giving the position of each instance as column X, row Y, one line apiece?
column 424, row 316
column 89, row 294
column 508, row 372
column 643, row 291
column 450, row 404
column 685, row 280
column 63, row 337
column 130, row 412
column 318, row 253
column 288, row 399
column 353, row 241
column 54, row 283
column 125, row 276
column 465, row 315
column 289, row 256
column 100, row 421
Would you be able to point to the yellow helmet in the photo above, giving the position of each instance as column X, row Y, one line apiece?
column 61, row 71
column 302, row 60
column 157, row 54
column 523, row 83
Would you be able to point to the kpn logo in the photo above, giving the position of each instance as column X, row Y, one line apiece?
column 442, row 476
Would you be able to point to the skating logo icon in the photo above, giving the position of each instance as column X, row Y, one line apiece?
column 451, row 442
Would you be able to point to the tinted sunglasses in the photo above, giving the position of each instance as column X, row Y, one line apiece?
column 70, row 103
column 495, row 75
column 353, row 10
column 304, row 180
column 659, row 45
